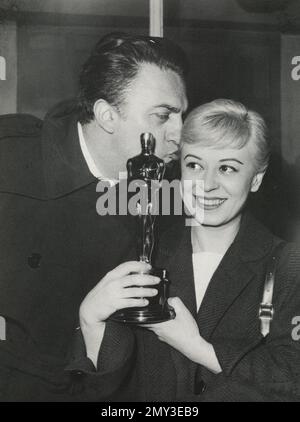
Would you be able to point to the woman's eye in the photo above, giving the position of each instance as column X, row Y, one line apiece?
column 228, row 169
column 193, row 166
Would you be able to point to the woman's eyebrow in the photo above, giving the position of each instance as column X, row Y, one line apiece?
column 193, row 156
column 221, row 161
column 231, row 159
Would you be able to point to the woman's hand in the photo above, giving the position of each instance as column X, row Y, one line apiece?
column 182, row 333
column 117, row 290
column 128, row 285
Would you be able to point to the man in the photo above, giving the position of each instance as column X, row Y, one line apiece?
column 54, row 245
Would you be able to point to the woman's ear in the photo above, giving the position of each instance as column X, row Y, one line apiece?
column 105, row 115
column 256, row 181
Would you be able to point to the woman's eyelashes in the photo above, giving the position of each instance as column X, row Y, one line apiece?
column 194, row 166
column 228, row 169
column 224, row 168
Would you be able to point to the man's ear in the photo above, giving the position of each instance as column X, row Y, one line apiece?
column 106, row 116
column 257, row 180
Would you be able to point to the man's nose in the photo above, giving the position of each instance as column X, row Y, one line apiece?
column 210, row 181
column 174, row 132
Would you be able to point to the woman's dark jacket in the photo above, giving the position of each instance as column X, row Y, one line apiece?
column 134, row 365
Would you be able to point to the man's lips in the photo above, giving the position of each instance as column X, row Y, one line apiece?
column 172, row 155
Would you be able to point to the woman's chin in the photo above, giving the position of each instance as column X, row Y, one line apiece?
column 209, row 219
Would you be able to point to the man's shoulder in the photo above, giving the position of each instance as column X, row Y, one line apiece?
column 42, row 158
column 21, row 155
column 19, row 125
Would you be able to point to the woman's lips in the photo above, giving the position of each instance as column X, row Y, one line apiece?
column 209, row 203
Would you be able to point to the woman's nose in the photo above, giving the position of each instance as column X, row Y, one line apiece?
column 210, row 181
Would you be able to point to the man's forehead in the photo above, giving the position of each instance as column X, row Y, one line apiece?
column 165, row 87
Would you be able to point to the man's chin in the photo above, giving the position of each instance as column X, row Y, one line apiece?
column 171, row 157
column 173, row 170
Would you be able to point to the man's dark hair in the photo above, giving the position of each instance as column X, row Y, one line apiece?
column 114, row 63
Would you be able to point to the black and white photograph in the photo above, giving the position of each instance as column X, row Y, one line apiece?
column 149, row 203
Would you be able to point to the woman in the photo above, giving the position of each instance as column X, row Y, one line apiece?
column 217, row 262
column 224, row 258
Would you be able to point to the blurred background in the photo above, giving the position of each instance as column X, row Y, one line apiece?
column 238, row 49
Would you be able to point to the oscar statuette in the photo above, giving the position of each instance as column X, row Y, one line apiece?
column 147, row 171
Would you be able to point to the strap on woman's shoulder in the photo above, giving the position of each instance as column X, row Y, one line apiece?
column 266, row 308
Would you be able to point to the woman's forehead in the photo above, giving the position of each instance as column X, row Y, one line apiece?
column 217, row 152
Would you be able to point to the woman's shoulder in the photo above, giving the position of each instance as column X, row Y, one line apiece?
column 284, row 262
column 291, row 258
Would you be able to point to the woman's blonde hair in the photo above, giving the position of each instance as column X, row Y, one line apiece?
column 226, row 123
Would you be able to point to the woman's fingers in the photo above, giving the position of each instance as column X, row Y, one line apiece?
column 126, row 268
column 139, row 280
column 132, row 302
column 139, row 292
column 120, row 289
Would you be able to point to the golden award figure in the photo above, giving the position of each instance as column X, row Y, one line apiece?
column 147, row 171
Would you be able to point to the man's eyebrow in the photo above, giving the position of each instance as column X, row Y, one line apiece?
column 232, row 159
column 168, row 107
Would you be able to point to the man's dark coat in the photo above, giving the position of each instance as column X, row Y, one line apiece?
column 53, row 248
